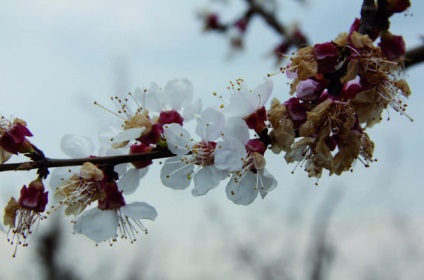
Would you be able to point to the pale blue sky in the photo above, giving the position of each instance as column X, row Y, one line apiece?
column 56, row 58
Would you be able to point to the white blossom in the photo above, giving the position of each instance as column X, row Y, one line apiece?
column 124, row 222
column 249, row 175
column 244, row 102
column 243, row 188
column 195, row 159
column 177, row 95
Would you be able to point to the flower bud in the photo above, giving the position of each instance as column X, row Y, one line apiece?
column 33, row 197
column 171, row 116
column 13, row 136
column 327, row 56
column 212, row 22
column 308, row 90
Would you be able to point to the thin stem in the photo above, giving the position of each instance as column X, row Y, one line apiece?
column 112, row 160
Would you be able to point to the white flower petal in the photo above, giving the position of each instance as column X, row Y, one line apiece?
column 242, row 190
column 152, row 98
column 266, row 182
column 178, row 139
column 178, row 93
column 192, row 109
column 126, row 135
column 139, row 210
column 264, row 91
column 130, row 180
column 121, row 169
column 106, row 133
column 206, row 179
column 229, row 154
column 237, row 127
column 242, row 104
column 210, row 124
column 97, row 225
column 76, row 146
column 61, row 174
column 108, row 151
column 298, row 149
column 176, row 174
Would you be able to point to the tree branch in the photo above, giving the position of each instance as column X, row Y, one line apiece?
column 414, row 56
column 269, row 18
column 368, row 12
column 112, row 160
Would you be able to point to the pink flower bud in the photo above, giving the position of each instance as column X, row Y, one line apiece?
column 13, row 138
column 327, row 57
column 241, row 25
column 280, row 50
column 296, row 110
column 171, row 116
column 308, row 90
column 33, row 197
column 18, row 131
column 212, row 22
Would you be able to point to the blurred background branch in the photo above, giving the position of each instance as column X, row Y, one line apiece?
column 291, row 36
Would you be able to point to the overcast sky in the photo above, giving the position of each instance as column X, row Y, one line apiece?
column 57, row 57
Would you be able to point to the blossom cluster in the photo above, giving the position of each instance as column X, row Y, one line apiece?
column 340, row 89
column 223, row 149
column 22, row 214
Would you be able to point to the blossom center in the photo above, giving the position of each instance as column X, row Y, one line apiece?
column 204, row 153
